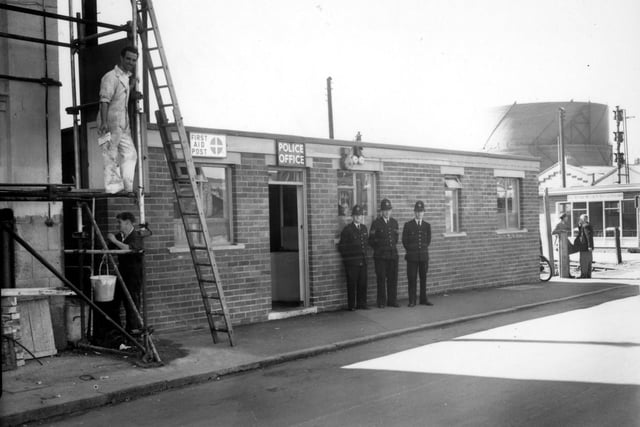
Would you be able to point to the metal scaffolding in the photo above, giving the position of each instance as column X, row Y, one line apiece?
column 48, row 192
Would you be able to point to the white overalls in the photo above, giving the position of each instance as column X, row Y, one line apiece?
column 119, row 154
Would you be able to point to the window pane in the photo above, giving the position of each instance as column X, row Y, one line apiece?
column 578, row 209
column 448, row 210
column 345, row 201
column 508, row 210
column 293, row 175
column 345, row 178
column 502, row 203
column 355, row 188
column 596, row 218
column 212, row 185
column 451, row 211
column 214, row 197
column 364, row 192
column 628, row 218
column 611, row 217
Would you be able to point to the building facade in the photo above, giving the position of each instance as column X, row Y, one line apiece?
column 607, row 194
column 276, row 205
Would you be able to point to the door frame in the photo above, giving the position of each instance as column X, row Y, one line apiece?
column 303, row 249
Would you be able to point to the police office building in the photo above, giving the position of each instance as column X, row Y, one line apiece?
column 275, row 205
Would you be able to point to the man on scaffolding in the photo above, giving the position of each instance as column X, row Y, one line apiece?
column 118, row 150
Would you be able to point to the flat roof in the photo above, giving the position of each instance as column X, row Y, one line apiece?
column 342, row 142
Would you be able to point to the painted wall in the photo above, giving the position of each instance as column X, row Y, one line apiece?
column 30, row 145
column 30, row 135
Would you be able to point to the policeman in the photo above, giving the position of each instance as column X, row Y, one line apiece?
column 416, row 237
column 353, row 248
column 383, row 238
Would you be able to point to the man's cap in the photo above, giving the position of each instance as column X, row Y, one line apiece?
column 385, row 205
column 563, row 215
column 419, row 207
column 357, row 210
column 124, row 216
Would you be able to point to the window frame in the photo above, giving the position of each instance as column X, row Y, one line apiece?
column 371, row 211
column 624, row 205
column 227, row 210
column 452, row 204
column 515, row 204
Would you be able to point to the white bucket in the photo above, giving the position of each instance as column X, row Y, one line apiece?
column 104, row 285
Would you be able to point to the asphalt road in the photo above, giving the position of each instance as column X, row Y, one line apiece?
column 570, row 364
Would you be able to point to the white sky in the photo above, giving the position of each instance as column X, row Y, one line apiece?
column 412, row 72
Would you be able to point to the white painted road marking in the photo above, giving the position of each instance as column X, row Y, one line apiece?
column 600, row 344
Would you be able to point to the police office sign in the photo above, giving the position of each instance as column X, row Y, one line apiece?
column 208, row 145
column 290, row 154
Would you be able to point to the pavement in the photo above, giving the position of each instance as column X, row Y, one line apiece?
column 80, row 380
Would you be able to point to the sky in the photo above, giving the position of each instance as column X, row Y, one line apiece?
column 408, row 72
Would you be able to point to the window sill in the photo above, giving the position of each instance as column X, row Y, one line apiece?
column 182, row 249
column 512, row 231
column 457, row 234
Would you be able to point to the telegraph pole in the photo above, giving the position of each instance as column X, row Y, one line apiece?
column 618, row 137
column 561, row 161
column 330, row 106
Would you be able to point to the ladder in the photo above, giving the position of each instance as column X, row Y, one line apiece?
column 183, row 175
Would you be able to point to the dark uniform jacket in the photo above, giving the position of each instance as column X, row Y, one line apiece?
column 130, row 265
column 416, row 241
column 383, row 238
column 584, row 240
column 353, row 244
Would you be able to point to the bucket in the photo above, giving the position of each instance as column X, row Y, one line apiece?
column 104, row 285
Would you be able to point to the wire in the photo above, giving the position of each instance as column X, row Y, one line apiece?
column 25, row 348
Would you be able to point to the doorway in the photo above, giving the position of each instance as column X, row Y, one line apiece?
column 287, row 244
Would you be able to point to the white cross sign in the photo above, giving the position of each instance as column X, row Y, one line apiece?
column 208, row 145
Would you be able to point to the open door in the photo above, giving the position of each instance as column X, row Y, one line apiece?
column 287, row 282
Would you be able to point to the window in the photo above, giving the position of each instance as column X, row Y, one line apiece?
column 452, row 188
column 578, row 209
column 628, row 218
column 508, row 203
column 605, row 216
column 214, row 187
column 611, row 218
column 355, row 188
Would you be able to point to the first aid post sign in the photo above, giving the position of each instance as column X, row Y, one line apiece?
column 208, row 145
column 290, row 154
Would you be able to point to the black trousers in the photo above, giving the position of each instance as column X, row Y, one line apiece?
column 387, row 280
column 112, row 308
column 356, row 284
column 413, row 268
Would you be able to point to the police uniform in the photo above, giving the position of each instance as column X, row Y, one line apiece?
column 416, row 238
column 383, row 238
column 353, row 248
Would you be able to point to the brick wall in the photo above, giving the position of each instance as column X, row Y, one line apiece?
column 12, row 354
column 173, row 296
column 480, row 258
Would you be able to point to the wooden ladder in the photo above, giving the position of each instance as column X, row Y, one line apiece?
column 183, row 176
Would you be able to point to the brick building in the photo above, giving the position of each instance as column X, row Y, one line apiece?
column 275, row 204
column 276, row 218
